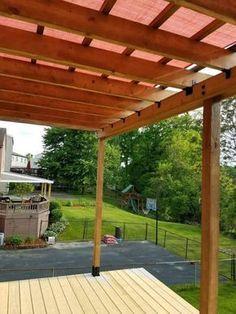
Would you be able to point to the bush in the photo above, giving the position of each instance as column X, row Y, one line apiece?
column 14, row 240
column 55, row 215
column 49, row 233
column 68, row 203
column 55, row 228
column 54, row 205
column 29, row 240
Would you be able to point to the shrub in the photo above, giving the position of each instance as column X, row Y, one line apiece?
column 21, row 189
column 49, row 233
column 57, row 227
column 68, row 203
column 14, row 240
column 54, row 205
column 55, row 215
column 29, row 239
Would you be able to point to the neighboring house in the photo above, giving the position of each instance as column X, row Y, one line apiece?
column 35, row 169
column 6, row 146
column 18, row 163
column 27, row 216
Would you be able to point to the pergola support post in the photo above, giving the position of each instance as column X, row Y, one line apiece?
column 49, row 191
column 99, row 204
column 42, row 188
column 210, row 206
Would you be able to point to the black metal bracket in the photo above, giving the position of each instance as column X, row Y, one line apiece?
column 158, row 103
column 188, row 90
column 227, row 73
column 123, row 119
column 95, row 271
column 138, row 113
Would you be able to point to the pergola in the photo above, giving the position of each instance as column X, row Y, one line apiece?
column 111, row 66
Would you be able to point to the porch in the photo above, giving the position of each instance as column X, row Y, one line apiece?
column 120, row 291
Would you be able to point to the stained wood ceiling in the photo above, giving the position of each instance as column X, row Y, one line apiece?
column 113, row 65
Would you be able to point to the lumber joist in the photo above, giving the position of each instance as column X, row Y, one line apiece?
column 223, row 84
column 77, row 80
column 93, row 24
column 220, row 9
column 94, row 59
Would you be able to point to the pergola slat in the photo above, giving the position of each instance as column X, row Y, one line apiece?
column 80, row 117
column 75, row 80
column 60, row 105
column 220, row 9
column 90, row 58
column 71, row 96
column 90, row 23
column 23, row 117
column 175, row 104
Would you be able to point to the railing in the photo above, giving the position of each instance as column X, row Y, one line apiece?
column 23, row 207
column 187, row 248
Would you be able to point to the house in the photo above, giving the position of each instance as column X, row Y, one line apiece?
column 27, row 216
column 18, row 163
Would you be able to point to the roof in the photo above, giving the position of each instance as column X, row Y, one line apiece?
column 12, row 177
column 128, row 188
column 18, row 155
column 111, row 66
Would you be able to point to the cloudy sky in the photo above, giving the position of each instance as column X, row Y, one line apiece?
column 28, row 138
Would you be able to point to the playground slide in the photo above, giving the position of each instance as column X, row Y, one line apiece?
column 134, row 205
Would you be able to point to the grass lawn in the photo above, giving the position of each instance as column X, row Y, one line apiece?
column 227, row 296
column 84, row 208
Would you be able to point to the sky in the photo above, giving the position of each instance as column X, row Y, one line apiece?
column 28, row 138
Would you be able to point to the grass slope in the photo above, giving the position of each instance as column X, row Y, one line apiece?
column 226, row 300
column 84, row 208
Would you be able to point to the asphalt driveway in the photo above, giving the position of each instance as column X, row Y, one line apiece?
column 76, row 257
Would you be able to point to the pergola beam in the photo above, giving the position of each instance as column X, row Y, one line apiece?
column 111, row 63
column 71, row 98
column 91, row 23
column 32, row 118
column 76, row 80
column 220, row 9
column 55, row 108
column 176, row 104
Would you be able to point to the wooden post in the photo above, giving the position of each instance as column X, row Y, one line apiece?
column 45, row 190
column 42, row 188
column 210, row 207
column 49, row 191
column 99, row 203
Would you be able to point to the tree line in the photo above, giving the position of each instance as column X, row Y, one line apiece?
column 162, row 161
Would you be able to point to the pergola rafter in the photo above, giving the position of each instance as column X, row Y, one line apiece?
column 95, row 59
column 91, row 23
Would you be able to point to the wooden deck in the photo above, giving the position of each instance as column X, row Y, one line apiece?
column 120, row 291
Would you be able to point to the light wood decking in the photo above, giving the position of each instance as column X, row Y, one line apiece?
column 120, row 291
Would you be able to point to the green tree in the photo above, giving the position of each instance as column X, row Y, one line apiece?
column 228, row 131
column 21, row 189
column 70, row 158
column 177, row 181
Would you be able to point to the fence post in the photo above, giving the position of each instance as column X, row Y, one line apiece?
column 164, row 241
column 84, row 232
column 233, row 268
column 146, row 231
column 186, row 249
column 124, row 225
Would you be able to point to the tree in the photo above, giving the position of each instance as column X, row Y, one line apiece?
column 70, row 158
column 21, row 189
column 228, row 131
column 177, row 181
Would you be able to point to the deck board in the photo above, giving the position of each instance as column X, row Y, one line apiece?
column 119, row 291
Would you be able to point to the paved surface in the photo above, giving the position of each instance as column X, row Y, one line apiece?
column 72, row 258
